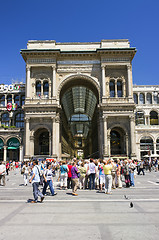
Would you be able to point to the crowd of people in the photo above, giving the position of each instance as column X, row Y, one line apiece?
column 103, row 175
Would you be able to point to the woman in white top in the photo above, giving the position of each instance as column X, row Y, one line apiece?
column 25, row 169
column 48, row 177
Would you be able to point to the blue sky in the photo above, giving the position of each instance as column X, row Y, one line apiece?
column 80, row 21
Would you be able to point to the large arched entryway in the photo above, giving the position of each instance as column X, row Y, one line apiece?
column 79, row 130
column 41, row 142
column 117, row 141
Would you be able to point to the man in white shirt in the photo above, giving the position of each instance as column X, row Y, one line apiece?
column 2, row 173
column 35, row 179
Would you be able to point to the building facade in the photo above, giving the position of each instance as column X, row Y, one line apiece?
column 12, row 98
column 146, row 99
column 80, row 101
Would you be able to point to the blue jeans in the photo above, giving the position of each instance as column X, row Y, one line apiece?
column 36, row 191
column 92, row 181
column 46, row 184
column 132, row 179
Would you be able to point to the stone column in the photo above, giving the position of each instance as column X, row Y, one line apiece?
column 105, row 136
column 27, row 136
column 32, row 145
column 21, row 153
column 42, row 90
column 27, row 81
column 33, row 90
column 50, row 152
column 49, row 90
column 5, row 154
column 129, row 69
column 132, row 137
column 127, row 146
column 54, row 81
column 116, row 89
column 154, row 147
column 103, row 80
column 53, row 136
column 100, row 137
column 57, row 121
column 124, row 89
column 108, row 143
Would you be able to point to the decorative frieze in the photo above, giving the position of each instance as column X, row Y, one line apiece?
column 41, row 60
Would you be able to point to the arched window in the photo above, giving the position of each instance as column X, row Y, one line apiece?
column 22, row 100
column 153, row 118
column 139, row 117
column 135, row 98
column 119, row 89
column 5, row 119
column 155, row 98
column 142, row 98
column 157, row 146
column 46, row 89
column 149, row 98
column 2, row 100
column 146, row 146
column 16, row 99
column 38, row 88
column 9, row 99
column 112, row 88
column 19, row 120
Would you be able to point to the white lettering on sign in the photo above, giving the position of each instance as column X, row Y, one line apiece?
column 13, row 144
column 8, row 88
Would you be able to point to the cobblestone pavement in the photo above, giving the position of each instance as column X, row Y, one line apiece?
column 90, row 215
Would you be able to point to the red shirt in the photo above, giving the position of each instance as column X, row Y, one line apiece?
column 69, row 172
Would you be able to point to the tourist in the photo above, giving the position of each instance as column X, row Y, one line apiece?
column 101, row 175
column 92, row 173
column 113, row 173
column 108, row 177
column 118, row 174
column 69, row 180
column 25, row 171
column 7, row 168
column 126, row 173
column 141, row 168
column 131, row 172
column 2, row 173
column 63, row 175
column 48, row 177
column 35, row 179
column 74, row 172
column 82, row 170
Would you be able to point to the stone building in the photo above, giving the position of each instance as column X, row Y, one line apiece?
column 146, row 99
column 79, row 99
column 12, row 98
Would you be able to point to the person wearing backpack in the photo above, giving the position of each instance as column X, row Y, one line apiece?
column 35, row 179
column 48, row 177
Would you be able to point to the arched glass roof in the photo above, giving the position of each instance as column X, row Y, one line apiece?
column 79, row 105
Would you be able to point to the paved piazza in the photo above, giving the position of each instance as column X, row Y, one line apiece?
column 90, row 215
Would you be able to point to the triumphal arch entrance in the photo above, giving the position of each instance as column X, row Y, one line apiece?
column 79, row 99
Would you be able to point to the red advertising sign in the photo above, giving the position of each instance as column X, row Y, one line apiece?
column 9, row 107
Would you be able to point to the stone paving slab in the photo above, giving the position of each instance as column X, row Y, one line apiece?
column 90, row 215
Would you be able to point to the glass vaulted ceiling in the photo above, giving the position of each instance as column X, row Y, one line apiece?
column 79, row 105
